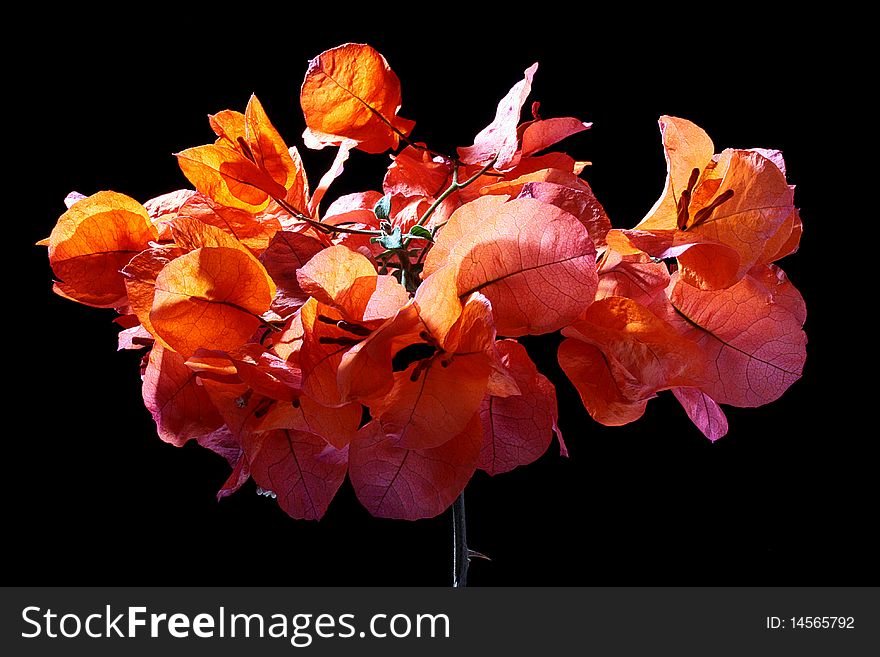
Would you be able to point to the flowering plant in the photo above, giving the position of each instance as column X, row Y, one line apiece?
column 376, row 337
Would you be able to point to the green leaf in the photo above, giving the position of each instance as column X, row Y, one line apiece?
column 382, row 209
column 422, row 232
column 392, row 241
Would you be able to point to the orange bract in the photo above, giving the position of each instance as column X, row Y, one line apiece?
column 349, row 302
column 621, row 354
column 269, row 152
column 417, row 412
column 506, row 142
column 565, row 190
column 337, row 426
column 750, row 335
column 228, row 177
column 305, row 471
column 140, row 280
column 533, row 261
column 331, row 272
column 93, row 241
column 718, row 213
column 350, row 93
column 248, row 165
column 254, row 231
column 210, row 298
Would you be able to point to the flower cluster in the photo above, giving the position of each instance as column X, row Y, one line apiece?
column 377, row 338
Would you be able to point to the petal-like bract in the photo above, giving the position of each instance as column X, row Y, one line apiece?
column 210, row 298
column 518, row 429
column 350, row 92
column 93, row 241
column 396, row 482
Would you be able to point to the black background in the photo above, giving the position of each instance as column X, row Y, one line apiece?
column 93, row 496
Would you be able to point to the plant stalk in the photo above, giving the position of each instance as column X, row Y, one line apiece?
column 460, row 552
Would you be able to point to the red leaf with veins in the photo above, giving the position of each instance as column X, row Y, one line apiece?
column 518, row 429
column 703, row 412
column 299, row 467
column 543, row 133
column 781, row 290
column 287, row 252
column 589, row 371
column 224, row 444
column 418, row 412
column 253, row 230
column 331, row 272
column 752, row 342
column 350, row 94
column 337, row 426
column 395, row 482
column 620, row 354
column 565, row 190
column 636, row 277
column 534, row 262
column 466, row 219
column 180, row 406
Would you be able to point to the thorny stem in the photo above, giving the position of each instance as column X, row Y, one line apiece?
column 460, row 552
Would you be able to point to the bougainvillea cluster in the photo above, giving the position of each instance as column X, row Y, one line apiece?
column 376, row 337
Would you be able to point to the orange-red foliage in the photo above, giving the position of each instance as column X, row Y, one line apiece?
column 379, row 342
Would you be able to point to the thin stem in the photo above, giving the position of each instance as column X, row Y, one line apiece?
column 407, row 278
column 454, row 186
column 407, row 140
column 445, row 195
column 460, row 553
column 429, row 151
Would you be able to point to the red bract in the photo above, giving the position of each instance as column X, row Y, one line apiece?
column 379, row 341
